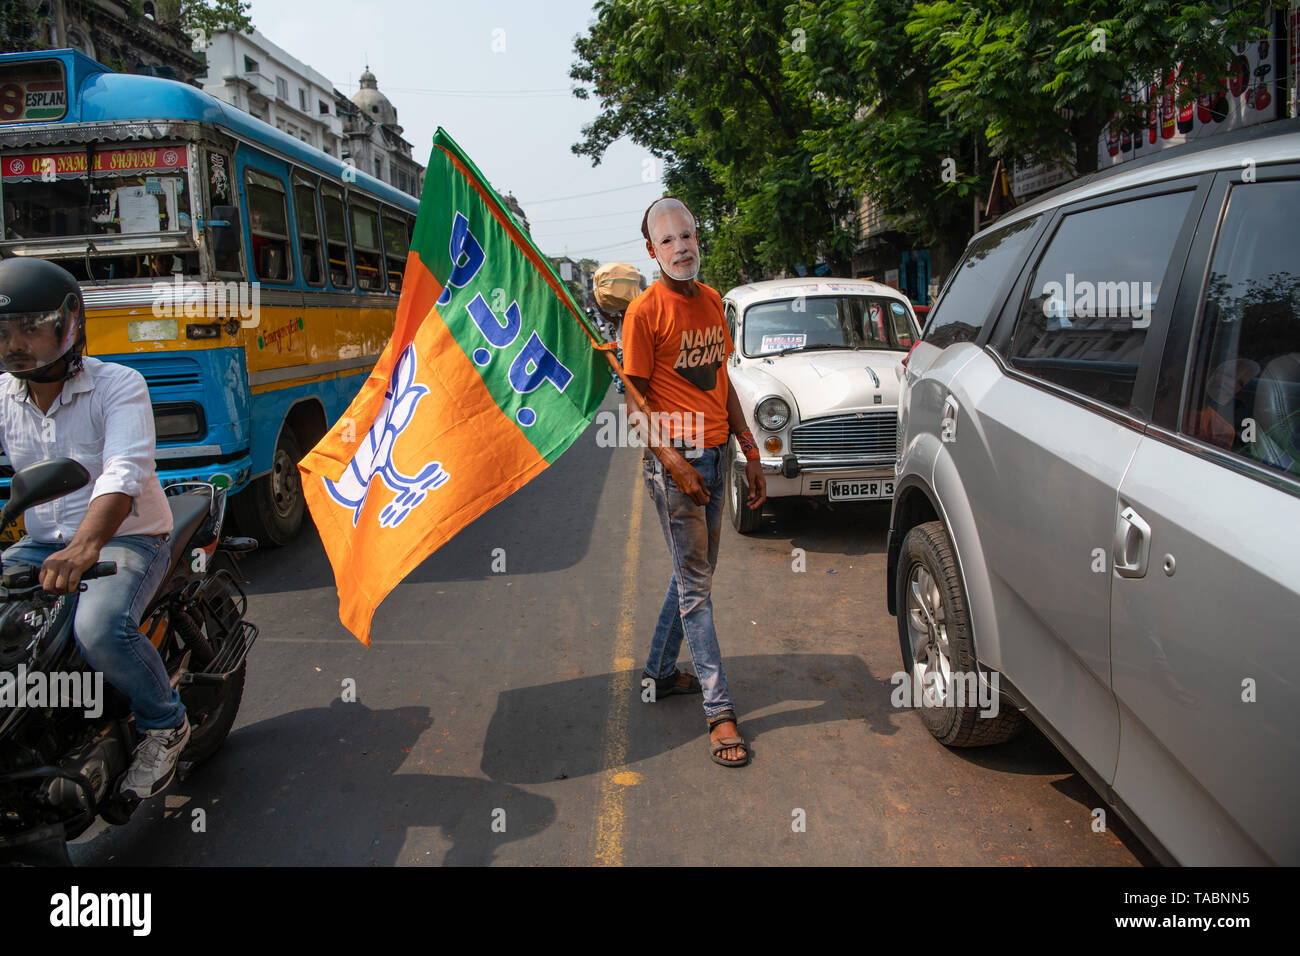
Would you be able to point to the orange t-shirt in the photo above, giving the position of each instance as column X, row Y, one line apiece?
column 680, row 345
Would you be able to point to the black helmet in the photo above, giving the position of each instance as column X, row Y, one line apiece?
column 42, row 320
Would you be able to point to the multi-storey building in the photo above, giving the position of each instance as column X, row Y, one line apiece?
column 373, row 139
column 250, row 72
column 144, row 38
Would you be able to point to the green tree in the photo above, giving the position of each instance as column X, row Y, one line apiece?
column 875, row 128
column 700, row 85
column 20, row 26
column 210, row 16
column 1043, row 77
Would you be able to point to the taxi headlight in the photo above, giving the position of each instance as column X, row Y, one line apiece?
column 772, row 414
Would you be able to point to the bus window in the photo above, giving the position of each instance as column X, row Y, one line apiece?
column 309, row 244
column 130, row 193
column 395, row 247
column 365, row 245
column 336, row 237
column 268, row 221
column 225, row 255
column 46, row 195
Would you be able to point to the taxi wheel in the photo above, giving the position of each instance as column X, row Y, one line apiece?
column 744, row 520
column 271, row 508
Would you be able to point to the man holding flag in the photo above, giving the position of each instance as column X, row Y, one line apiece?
column 676, row 343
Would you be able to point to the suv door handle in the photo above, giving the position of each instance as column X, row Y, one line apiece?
column 948, row 425
column 1132, row 544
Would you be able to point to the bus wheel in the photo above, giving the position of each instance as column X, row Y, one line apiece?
column 271, row 508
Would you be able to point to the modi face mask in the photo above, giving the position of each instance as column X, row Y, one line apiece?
column 672, row 235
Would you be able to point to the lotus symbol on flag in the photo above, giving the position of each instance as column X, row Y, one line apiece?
column 374, row 456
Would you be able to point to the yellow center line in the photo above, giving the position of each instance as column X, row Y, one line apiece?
column 609, row 823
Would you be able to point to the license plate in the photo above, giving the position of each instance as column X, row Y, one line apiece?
column 861, row 490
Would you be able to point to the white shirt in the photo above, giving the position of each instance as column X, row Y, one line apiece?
column 103, row 419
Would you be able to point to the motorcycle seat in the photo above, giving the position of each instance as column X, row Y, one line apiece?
column 188, row 512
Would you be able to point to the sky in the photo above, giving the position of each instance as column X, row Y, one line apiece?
column 495, row 75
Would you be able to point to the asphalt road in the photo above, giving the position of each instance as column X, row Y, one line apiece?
column 498, row 717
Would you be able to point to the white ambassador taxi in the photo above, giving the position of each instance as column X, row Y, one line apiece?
column 816, row 371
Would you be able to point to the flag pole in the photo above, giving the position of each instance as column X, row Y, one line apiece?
column 655, row 441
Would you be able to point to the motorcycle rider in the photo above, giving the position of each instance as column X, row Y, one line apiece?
column 56, row 403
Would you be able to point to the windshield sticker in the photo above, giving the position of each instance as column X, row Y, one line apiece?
column 218, row 180
column 789, row 340
column 898, row 308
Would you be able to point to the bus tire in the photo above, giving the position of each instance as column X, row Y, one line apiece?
column 271, row 508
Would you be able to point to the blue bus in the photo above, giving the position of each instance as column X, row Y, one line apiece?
column 251, row 278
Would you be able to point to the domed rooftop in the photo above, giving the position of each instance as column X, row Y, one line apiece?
column 373, row 104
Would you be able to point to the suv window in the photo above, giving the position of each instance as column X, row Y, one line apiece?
column 1244, row 382
column 965, row 304
column 1084, row 318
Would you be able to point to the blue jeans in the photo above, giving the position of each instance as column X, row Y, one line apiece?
column 107, row 622
column 693, row 533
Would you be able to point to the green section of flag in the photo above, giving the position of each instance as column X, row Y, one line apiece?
column 512, row 277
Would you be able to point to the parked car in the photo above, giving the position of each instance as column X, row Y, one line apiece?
column 816, row 371
column 1098, row 496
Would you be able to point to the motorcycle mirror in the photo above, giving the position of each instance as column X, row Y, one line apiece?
column 42, row 482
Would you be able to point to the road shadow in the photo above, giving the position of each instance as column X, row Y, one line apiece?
column 1031, row 753
column 821, row 527
column 556, row 509
column 322, row 786
column 553, row 731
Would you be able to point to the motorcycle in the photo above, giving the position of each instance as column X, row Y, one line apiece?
column 59, row 767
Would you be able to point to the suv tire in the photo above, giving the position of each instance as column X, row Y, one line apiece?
column 934, row 634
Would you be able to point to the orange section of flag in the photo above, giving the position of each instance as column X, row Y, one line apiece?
column 448, row 448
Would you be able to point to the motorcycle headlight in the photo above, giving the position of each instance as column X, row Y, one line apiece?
column 772, row 414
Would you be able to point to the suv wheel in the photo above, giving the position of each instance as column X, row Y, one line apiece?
column 934, row 633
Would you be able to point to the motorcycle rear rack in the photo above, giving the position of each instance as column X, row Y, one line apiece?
column 228, row 661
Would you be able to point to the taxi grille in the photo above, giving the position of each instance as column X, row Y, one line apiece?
column 866, row 435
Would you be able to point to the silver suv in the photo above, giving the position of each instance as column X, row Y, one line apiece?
column 1096, row 520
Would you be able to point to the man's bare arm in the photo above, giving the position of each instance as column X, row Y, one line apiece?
column 685, row 477
column 61, row 572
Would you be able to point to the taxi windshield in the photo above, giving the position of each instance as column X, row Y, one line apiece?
column 827, row 322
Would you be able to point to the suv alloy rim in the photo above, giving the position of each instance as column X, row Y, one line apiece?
column 927, row 631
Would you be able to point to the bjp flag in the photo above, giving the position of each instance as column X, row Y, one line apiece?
column 490, row 375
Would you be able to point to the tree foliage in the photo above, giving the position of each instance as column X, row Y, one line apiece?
column 212, row 16
column 876, row 129
column 1043, row 77
column 773, row 116
column 700, row 85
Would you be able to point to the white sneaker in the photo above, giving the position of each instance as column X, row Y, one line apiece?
column 154, row 763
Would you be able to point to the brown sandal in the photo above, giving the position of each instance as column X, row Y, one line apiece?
column 726, row 743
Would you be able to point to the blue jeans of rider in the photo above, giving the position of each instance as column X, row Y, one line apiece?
column 693, row 533
column 106, row 626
